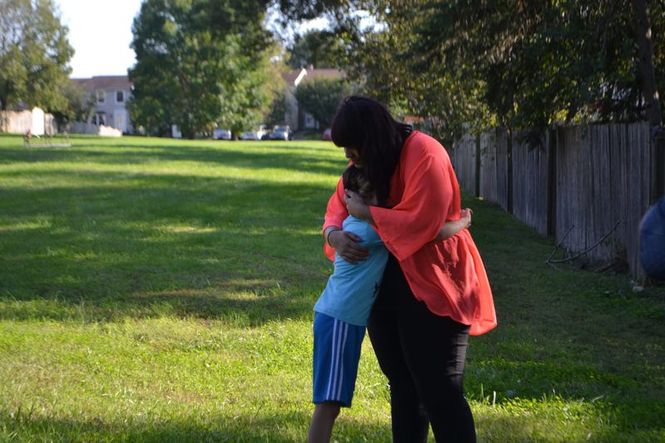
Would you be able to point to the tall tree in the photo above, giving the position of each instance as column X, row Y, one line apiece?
column 516, row 63
column 321, row 98
column 541, row 62
column 200, row 63
column 650, row 88
column 34, row 55
column 322, row 49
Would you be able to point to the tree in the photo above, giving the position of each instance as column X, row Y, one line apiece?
column 79, row 104
column 275, row 115
column 542, row 63
column 34, row 55
column 200, row 63
column 650, row 88
column 322, row 49
column 321, row 98
column 515, row 63
column 383, row 62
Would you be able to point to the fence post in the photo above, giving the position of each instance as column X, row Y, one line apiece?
column 477, row 166
column 552, row 142
column 509, row 159
column 658, row 188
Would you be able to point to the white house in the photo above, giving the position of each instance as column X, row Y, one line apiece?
column 111, row 93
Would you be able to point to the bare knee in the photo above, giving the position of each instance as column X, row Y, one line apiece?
column 323, row 421
column 328, row 410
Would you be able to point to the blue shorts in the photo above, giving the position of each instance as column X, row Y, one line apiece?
column 337, row 347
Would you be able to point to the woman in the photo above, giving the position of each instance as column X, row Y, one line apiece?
column 434, row 292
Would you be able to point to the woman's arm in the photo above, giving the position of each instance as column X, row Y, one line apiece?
column 453, row 227
column 428, row 197
column 347, row 245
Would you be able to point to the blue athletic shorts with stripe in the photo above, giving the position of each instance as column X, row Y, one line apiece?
column 337, row 347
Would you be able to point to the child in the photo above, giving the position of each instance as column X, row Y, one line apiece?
column 342, row 311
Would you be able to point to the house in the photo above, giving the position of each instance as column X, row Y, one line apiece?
column 111, row 94
column 297, row 118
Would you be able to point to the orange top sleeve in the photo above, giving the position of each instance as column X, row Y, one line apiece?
column 449, row 275
column 424, row 199
column 335, row 214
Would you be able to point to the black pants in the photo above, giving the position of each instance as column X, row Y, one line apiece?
column 423, row 356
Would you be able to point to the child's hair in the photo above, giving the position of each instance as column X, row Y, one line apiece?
column 354, row 180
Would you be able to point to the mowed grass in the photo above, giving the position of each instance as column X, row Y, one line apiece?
column 161, row 290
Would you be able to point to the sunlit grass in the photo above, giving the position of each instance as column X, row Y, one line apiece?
column 161, row 290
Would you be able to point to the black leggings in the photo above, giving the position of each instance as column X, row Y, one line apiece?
column 423, row 355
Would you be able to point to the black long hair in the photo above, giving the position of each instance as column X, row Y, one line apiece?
column 366, row 125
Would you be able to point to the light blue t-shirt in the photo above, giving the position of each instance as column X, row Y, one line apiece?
column 352, row 288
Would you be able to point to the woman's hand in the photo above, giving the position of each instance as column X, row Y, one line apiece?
column 347, row 245
column 465, row 216
column 356, row 206
column 453, row 227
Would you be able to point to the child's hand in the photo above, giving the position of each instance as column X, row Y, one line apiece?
column 356, row 206
column 465, row 215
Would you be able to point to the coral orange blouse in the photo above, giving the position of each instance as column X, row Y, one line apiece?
column 448, row 275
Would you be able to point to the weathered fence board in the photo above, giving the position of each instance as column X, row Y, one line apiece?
column 464, row 161
column 588, row 186
column 503, row 180
column 488, row 167
column 530, row 183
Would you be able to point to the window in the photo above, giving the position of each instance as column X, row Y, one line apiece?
column 310, row 121
column 101, row 96
column 100, row 119
column 119, row 96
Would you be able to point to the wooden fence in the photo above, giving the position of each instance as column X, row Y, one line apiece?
column 587, row 186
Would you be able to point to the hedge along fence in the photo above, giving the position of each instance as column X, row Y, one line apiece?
column 587, row 186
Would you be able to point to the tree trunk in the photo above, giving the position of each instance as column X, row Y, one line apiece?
column 650, row 92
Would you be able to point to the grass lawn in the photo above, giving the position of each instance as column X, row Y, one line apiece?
column 161, row 290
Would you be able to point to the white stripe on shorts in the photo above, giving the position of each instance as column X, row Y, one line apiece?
column 339, row 335
column 341, row 362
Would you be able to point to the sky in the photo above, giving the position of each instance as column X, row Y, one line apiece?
column 100, row 31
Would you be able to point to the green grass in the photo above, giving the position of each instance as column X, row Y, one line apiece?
column 161, row 290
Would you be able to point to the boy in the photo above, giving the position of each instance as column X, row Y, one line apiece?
column 342, row 311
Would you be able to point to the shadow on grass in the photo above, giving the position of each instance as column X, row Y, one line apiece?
column 291, row 426
column 598, row 422
column 297, row 158
column 286, row 427
column 248, row 250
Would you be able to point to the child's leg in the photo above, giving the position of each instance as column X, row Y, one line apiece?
column 323, row 420
column 337, row 346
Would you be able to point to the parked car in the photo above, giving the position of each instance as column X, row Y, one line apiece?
column 280, row 132
column 254, row 135
column 326, row 135
column 222, row 134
